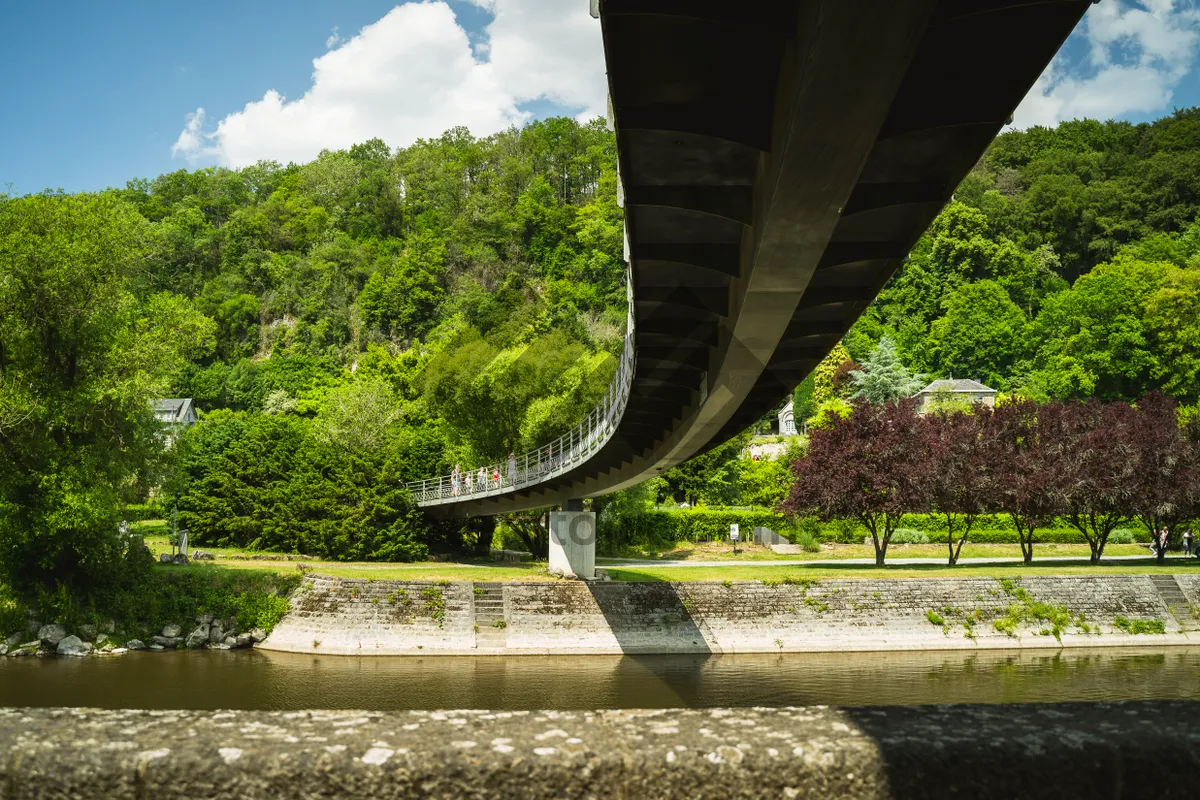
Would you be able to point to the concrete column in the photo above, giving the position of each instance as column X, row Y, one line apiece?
column 573, row 541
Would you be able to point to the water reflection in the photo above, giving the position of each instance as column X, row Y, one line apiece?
column 262, row 680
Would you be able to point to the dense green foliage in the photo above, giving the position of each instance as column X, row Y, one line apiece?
column 1067, row 266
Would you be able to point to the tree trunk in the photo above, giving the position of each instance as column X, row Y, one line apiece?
column 486, row 526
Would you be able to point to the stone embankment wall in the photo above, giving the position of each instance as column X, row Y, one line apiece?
column 366, row 617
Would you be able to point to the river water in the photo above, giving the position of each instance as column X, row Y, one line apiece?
column 263, row 680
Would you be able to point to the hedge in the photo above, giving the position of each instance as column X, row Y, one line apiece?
column 138, row 512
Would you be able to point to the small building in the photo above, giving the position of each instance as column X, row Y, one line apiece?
column 787, row 421
column 954, row 391
column 175, row 414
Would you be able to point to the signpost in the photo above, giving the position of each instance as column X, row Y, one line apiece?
column 733, row 535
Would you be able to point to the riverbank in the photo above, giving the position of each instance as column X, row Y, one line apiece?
column 356, row 616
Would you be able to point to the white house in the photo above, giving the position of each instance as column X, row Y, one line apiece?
column 787, row 421
column 175, row 414
column 955, row 390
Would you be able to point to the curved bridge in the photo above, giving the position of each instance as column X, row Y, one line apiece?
column 778, row 160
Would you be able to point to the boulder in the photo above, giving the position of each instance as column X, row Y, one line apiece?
column 216, row 634
column 3, row 648
column 197, row 638
column 230, row 641
column 258, row 635
column 13, row 640
column 172, row 631
column 108, row 626
column 87, row 631
column 74, row 646
column 167, row 641
column 164, row 558
column 204, row 619
column 135, row 644
column 51, row 635
column 102, row 639
column 156, row 647
column 107, row 648
column 244, row 640
column 27, row 649
column 179, row 560
column 201, row 555
column 218, row 646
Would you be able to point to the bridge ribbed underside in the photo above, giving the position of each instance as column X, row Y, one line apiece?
column 779, row 160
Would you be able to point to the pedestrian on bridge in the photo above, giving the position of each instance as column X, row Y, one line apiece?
column 455, row 480
column 482, row 482
column 512, row 469
column 467, row 476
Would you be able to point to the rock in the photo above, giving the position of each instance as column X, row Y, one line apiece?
column 27, row 649
column 135, row 644
column 197, row 637
column 13, row 640
column 218, row 646
column 179, row 560
column 156, row 647
column 87, row 631
column 31, row 629
column 118, row 651
column 3, row 648
column 102, row 639
column 230, row 641
column 258, row 635
column 108, row 626
column 216, row 634
column 244, row 640
column 74, row 646
column 204, row 619
column 167, row 641
column 201, row 555
column 51, row 635
column 172, row 631
column 106, row 648
column 164, row 558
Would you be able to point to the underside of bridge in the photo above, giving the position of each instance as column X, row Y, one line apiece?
column 778, row 160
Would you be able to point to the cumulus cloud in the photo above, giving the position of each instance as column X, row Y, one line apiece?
column 1136, row 54
column 412, row 74
column 334, row 38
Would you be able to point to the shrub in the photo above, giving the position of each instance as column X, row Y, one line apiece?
column 1122, row 536
column 806, row 540
column 909, row 536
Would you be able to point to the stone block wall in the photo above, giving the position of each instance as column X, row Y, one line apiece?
column 397, row 617
column 358, row 616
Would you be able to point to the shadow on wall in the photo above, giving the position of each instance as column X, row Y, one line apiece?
column 651, row 617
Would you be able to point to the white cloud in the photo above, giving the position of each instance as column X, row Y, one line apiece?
column 412, row 75
column 1136, row 55
column 334, row 38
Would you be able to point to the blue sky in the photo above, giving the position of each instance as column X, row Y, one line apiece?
column 98, row 93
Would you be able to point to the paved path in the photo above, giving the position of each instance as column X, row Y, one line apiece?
column 892, row 562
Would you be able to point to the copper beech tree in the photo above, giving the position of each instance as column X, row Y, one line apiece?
column 1165, row 490
column 870, row 466
column 959, row 480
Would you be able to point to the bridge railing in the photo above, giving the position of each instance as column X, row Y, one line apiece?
column 547, row 461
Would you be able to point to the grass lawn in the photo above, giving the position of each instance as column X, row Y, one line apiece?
column 230, row 558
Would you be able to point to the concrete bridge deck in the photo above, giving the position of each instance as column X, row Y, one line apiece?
column 778, row 160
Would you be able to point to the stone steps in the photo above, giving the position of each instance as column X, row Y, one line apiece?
column 490, row 630
column 1168, row 588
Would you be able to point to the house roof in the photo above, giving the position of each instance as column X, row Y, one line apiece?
column 172, row 409
column 955, row 385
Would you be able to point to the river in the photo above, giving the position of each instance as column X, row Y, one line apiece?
column 285, row 681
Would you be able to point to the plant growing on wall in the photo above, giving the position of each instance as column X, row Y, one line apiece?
column 870, row 466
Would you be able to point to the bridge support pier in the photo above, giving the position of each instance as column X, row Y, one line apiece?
column 573, row 541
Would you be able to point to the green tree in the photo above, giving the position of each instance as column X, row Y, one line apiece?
column 883, row 378
column 982, row 335
column 82, row 357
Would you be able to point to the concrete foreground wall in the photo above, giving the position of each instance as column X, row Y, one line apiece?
column 362, row 617
column 1119, row 750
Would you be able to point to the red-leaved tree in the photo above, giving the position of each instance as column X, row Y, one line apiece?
column 870, row 466
column 1165, row 485
column 1020, row 442
column 1096, row 465
column 959, row 479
